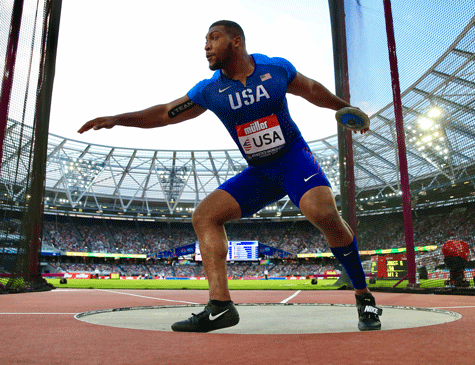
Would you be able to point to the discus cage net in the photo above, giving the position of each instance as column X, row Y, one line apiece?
column 434, row 49
column 434, row 46
column 23, row 33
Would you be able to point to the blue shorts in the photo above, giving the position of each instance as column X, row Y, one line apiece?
column 292, row 174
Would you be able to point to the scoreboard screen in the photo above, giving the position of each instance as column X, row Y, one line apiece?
column 237, row 251
column 389, row 266
column 396, row 268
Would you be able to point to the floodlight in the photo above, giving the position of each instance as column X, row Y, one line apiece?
column 425, row 123
column 434, row 112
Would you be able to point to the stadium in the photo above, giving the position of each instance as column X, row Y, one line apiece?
column 102, row 212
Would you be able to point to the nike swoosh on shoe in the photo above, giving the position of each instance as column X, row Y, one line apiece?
column 212, row 318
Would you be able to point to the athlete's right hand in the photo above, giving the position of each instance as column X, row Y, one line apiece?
column 98, row 123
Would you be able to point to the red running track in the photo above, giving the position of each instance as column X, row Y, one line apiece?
column 40, row 328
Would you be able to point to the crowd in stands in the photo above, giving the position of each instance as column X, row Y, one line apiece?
column 127, row 240
column 63, row 236
column 383, row 232
column 235, row 269
column 374, row 232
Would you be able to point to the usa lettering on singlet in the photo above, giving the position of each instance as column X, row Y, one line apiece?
column 262, row 137
column 255, row 113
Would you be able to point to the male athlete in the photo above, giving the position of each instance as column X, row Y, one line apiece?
column 248, row 94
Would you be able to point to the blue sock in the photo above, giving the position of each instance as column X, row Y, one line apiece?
column 349, row 257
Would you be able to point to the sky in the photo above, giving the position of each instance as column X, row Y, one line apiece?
column 424, row 30
column 117, row 56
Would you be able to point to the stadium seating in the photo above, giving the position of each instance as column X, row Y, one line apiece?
column 374, row 232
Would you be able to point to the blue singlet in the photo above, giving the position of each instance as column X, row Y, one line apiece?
column 258, row 119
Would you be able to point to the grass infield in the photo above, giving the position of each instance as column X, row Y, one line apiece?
column 193, row 284
column 323, row 284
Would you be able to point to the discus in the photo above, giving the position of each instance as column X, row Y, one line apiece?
column 352, row 118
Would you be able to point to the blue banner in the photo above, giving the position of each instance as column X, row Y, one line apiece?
column 161, row 255
column 184, row 250
column 265, row 250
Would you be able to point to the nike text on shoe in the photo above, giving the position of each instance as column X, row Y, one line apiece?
column 210, row 319
column 368, row 313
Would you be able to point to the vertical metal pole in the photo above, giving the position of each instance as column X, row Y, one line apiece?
column 41, row 128
column 345, row 142
column 10, row 59
column 350, row 180
column 406, row 194
column 342, row 90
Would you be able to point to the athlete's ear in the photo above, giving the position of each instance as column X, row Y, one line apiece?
column 237, row 41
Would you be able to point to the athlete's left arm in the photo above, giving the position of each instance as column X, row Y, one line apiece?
column 317, row 94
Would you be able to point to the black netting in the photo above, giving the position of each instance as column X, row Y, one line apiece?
column 436, row 62
column 19, row 268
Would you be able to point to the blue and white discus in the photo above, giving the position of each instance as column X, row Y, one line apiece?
column 352, row 118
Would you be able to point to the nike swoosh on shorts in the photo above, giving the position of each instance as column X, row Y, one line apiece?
column 308, row 178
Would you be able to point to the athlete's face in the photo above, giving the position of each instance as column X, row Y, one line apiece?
column 219, row 49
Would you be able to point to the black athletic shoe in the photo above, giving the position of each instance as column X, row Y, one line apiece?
column 368, row 313
column 210, row 319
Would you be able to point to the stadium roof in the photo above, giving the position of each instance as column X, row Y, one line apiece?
column 439, row 120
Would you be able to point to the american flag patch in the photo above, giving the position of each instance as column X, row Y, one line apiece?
column 247, row 145
column 265, row 77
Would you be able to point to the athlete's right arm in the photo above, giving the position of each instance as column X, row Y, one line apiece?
column 157, row 116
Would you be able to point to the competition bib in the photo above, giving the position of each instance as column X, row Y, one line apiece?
column 261, row 138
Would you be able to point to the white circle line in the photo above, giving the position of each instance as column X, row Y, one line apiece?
column 291, row 297
column 143, row 296
column 17, row 313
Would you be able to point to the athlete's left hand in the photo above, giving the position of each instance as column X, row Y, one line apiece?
column 363, row 131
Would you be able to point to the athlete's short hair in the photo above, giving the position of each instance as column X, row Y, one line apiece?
column 232, row 28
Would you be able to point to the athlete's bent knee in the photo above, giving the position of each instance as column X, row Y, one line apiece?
column 322, row 217
column 201, row 219
column 216, row 209
column 318, row 213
